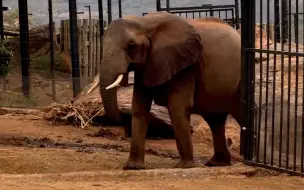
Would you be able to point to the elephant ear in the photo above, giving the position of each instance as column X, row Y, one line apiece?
column 175, row 45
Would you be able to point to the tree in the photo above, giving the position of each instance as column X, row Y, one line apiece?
column 12, row 18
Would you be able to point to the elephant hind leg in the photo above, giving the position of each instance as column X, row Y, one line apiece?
column 221, row 155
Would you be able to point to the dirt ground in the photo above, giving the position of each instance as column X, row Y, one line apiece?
column 35, row 154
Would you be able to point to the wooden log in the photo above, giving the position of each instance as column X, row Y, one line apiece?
column 159, row 125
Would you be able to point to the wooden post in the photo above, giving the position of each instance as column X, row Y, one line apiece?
column 90, row 50
column 62, row 29
column 85, row 51
column 80, row 44
column 94, row 49
column 98, row 47
column 66, row 35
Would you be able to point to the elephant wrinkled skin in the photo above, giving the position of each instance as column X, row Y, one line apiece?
column 190, row 66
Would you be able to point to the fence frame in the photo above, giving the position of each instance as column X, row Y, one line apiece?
column 204, row 8
column 250, row 133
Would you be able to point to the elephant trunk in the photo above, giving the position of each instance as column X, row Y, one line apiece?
column 110, row 77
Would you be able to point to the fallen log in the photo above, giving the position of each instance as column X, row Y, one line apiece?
column 87, row 109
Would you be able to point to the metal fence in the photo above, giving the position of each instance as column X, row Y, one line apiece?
column 40, row 71
column 229, row 13
column 273, row 81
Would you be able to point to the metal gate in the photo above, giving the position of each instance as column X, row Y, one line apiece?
column 229, row 13
column 272, row 80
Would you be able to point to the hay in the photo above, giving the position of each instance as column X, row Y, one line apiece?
column 75, row 114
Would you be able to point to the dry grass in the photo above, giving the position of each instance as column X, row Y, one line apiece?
column 75, row 114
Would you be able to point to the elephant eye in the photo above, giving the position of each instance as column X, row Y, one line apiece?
column 131, row 47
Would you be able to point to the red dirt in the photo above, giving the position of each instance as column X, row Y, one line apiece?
column 34, row 154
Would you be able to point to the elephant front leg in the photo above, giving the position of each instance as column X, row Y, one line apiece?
column 141, row 105
column 180, row 104
column 180, row 119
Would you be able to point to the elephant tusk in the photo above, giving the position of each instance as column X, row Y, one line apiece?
column 116, row 83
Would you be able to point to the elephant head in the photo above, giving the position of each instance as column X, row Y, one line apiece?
column 157, row 45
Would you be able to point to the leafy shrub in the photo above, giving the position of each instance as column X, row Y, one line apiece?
column 5, row 59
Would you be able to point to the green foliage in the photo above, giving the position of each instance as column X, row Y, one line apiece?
column 5, row 59
column 12, row 18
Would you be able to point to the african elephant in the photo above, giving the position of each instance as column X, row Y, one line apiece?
column 191, row 67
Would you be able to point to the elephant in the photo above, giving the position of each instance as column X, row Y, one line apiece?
column 188, row 66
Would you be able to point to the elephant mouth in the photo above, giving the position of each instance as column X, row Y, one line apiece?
column 120, row 76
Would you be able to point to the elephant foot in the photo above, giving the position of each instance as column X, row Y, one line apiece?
column 185, row 164
column 219, row 159
column 132, row 165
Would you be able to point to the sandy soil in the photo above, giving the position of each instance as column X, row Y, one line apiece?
column 34, row 154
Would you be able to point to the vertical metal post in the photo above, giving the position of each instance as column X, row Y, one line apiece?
column 284, row 21
column 168, row 5
column 277, row 20
column 296, row 27
column 51, row 30
column 119, row 8
column 74, row 47
column 237, row 14
column 90, row 15
column 100, row 14
column 24, row 47
column 109, row 11
column 158, row 5
column 1, row 38
column 1, row 21
column 248, row 73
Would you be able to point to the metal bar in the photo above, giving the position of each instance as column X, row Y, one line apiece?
column 258, row 132
column 296, row 22
column 158, row 5
column 237, row 14
column 109, row 11
column 119, row 8
column 197, row 11
column 1, row 22
column 289, row 86
column 51, row 29
column 267, row 81
column 275, row 52
column 276, row 22
column 168, row 5
column 248, row 76
column 100, row 15
column 74, row 47
column 24, row 47
column 205, row 6
column 89, row 7
column 211, row 12
column 233, row 18
column 283, row 40
column 226, row 15
column 277, row 19
column 284, row 21
column 279, row 169
column 302, row 128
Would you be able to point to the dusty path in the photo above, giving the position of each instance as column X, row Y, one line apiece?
column 37, row 155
